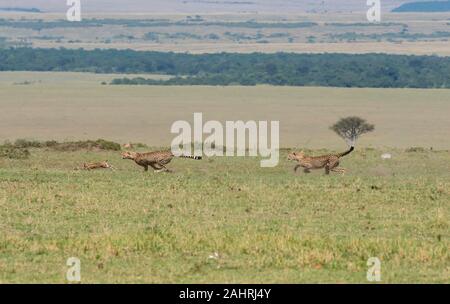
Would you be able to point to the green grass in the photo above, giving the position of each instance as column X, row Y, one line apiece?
column 267, row 225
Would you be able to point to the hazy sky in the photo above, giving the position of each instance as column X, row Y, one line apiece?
column 203, row 6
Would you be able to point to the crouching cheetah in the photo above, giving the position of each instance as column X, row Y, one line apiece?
column 329, row 162
column 98, row 165
column 157, row 160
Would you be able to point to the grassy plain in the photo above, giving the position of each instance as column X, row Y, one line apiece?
column 62, row 106
column 420, row 34
column 440, row 48
column 222, row 220
column 225, row 220
column 65, row 78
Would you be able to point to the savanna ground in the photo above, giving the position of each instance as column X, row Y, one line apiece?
column 328, row 32
column 222, row 219
column 74, row 106
column 225, row 220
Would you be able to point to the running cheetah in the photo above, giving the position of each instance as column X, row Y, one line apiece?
column 157, row 160
column 329, row 162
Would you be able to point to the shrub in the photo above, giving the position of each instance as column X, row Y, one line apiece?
column 415, row 149
column 50, row 143
column 24, row 143
column 139, row 145
column 12, row 152
column 108, row 145
column 18, row 148
column 99, row 144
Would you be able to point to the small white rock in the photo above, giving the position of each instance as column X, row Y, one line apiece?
column 215, row 256
column 386, row 156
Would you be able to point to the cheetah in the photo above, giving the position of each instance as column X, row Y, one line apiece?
column 98, row 165
column 157, row 159
column 329, row 162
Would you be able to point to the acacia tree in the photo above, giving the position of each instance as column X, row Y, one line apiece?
column 350, row 128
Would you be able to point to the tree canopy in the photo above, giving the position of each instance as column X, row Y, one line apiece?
column 350, row 128
column 284, row 69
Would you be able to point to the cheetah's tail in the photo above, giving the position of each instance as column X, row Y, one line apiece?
column 191, row 157
column 347, row 152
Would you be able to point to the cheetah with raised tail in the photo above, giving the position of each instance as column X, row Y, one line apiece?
column 329, row 162
column 157, row 160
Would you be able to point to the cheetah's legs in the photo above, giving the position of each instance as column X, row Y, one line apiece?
column 339, row 170
column 165, row 168
column 306, row 168
column 332, row 166
column 157, row 168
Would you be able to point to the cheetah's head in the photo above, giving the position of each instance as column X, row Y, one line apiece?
column 296, row 155
column 128, row 155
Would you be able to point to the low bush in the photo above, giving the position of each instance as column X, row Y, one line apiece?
column 19, row 149
column 99, row 144
column 415, row 149
column 14, row 152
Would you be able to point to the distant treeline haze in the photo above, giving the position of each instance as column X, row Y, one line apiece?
column 338, row 70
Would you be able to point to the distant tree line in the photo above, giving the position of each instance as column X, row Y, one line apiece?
column 40, row 24
column 365, row 24
column 289, row 69
column 403, row 35
column 20, row 9
column 6, row 43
